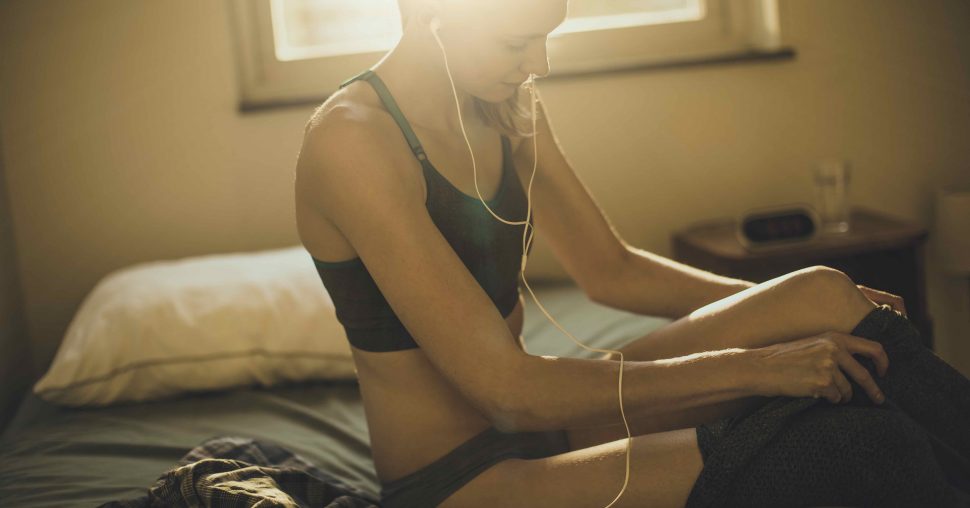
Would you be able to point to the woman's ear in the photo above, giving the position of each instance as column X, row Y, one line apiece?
column 428, row 10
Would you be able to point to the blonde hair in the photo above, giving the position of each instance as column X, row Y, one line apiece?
column 503, row 116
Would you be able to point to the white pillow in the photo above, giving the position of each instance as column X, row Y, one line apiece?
column 161, row 328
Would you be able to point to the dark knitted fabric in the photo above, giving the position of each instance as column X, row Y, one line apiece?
column 924, row 386
column 846, row 456
column 809, row 452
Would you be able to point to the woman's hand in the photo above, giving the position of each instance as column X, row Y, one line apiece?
column 813, row 367
column 882, row 297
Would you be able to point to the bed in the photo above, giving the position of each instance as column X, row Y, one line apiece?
column 52, row 455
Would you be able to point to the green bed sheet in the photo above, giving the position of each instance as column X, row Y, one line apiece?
column 52, row 456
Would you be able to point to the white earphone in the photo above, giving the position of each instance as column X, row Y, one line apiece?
column 435, row 25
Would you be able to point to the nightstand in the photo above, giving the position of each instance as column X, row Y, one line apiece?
column 880, row 251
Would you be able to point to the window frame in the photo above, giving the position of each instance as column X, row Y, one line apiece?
column 731, row 30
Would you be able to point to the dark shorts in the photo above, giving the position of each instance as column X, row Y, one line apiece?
column 432, row 484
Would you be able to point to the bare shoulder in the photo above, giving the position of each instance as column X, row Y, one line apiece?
column 351, row 100
column 353, row 139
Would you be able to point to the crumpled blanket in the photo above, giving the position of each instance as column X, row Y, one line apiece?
column 227, row 471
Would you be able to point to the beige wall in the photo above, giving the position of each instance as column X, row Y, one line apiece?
column 123, row 143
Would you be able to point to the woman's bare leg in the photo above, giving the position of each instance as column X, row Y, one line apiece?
column 795, row 305
column 799, row 466
column 663, row 469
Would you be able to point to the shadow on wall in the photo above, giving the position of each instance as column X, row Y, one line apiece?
column 15, row 362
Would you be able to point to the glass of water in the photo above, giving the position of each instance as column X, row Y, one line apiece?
column 832, row 178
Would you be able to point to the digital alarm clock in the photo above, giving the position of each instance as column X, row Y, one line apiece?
column 777, row 225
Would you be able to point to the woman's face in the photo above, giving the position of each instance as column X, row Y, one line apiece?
column 494, row 45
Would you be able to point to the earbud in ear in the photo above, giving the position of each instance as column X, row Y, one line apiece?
column 435, row 24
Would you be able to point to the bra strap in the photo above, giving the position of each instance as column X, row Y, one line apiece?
column 371, row 77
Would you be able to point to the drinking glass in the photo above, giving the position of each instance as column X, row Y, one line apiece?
column 832, row 178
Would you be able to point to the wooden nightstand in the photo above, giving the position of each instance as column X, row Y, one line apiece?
column 880, row 252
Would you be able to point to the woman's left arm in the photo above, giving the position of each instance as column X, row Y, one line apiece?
column 612, row 272
column 654, row 285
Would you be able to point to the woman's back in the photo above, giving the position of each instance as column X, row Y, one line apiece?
column 414, row 413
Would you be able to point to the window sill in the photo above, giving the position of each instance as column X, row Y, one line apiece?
column 742, row 56
column 745, row 56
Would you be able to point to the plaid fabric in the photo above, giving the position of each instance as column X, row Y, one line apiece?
column 231, row 472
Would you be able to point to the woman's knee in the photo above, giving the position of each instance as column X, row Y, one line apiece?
column 830, row 291
column 821, row 280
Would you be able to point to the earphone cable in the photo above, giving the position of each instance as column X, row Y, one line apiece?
column 526, row 243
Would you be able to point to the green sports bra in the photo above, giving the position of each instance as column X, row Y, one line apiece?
column 490, row 250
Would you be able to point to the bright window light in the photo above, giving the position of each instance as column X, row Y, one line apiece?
column 304, row 29
column 587, row 15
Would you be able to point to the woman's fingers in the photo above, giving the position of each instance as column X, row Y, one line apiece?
column 833, row 394
column 843, row 387
column 861, row 376
column 870, row 348
column 896, row 302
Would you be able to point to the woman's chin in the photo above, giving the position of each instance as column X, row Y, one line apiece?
column 501, row 93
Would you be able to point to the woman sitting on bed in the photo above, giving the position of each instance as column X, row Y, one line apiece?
column 425, row 281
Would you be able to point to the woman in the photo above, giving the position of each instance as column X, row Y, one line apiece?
column 424, row 280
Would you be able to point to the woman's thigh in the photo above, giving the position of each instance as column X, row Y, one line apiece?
column 663, row 469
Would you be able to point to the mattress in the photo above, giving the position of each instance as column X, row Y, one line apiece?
column 55, row 456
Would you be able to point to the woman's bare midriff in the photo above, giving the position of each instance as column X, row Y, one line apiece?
column 414, row 414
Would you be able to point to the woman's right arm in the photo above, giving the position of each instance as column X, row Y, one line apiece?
column 557, row 392
column 345, row 173
column 568, row 392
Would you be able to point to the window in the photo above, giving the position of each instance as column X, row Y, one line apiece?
column 298, row 51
